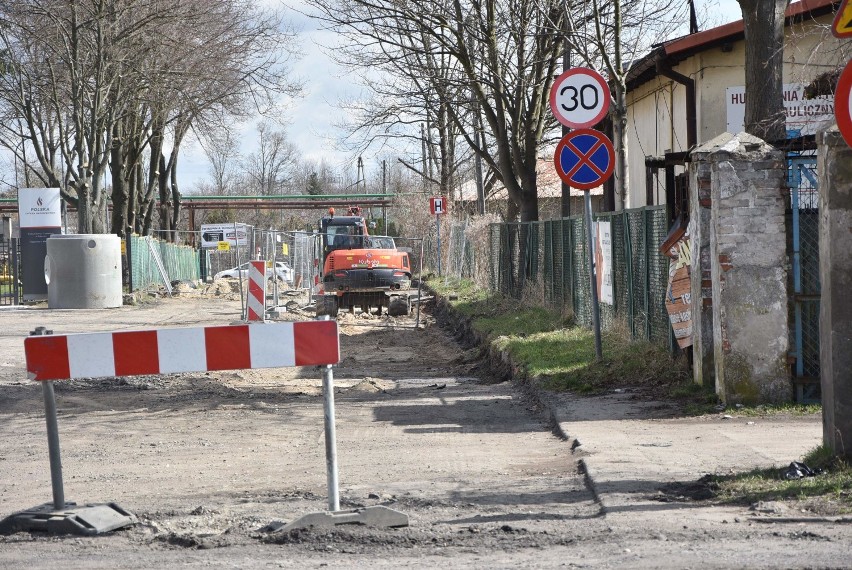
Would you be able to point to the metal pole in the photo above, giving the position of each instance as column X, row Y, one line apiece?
column 385, row 191
column 330, row 441
column 53, row 446
column 52, row 436
column 438, row 224
column 243, row 308
column 16, row 292
column 596, row 323
column 419, row 286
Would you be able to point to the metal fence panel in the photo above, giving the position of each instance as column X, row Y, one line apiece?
column 181, row 262
column 10, row 271
column 548, row 262
column 804, row 249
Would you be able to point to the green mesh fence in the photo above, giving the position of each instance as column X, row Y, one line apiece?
column 180, row 262
column 549, row 260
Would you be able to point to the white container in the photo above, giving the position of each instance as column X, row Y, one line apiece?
column 83, row 271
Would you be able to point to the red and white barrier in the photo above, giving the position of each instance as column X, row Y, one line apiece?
column 256, row 301
column 198, row 349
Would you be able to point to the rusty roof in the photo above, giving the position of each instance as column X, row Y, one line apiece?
column 676, row 50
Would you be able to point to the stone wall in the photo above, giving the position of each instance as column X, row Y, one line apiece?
column 748, row 268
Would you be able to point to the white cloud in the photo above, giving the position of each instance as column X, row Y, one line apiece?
column 311, row 119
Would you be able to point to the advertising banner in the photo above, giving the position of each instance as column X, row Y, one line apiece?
column 603, row 261
column 40, row 216
column 804, row 116
column 679, row 292
column 233, row 234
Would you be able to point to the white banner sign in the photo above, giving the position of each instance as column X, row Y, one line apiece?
column 233, row 234
column 804, row 116
column 39, row 208
column 603, row 261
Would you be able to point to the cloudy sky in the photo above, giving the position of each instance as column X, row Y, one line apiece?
column 311, row 119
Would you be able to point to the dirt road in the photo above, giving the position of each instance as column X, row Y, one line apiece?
column 206, row 460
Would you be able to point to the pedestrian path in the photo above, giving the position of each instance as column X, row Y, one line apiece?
column 630, row 448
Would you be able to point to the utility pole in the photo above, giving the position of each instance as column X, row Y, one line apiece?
column 566, row 65
column 384, row 191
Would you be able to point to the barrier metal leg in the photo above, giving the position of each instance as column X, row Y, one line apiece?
column 379, row 516
column 60, row 517
column 330, row 439
column 53, row 445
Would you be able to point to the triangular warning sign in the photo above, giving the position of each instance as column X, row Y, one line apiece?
column 842, row 26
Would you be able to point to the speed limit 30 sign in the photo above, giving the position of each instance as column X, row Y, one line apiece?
column 579, row 98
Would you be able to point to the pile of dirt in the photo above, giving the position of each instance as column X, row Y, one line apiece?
column 224, row 288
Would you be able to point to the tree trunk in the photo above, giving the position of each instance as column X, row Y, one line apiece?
column 764, row 60
column 117, row 168
column 84, row 215
column 175, row 195
column 165, row 197
column 619, row 134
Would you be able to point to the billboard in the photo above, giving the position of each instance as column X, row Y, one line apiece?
column 40, row 216
column 603, row 261
column 234, row 234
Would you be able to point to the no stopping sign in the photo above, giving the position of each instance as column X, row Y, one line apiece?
column 579, row 98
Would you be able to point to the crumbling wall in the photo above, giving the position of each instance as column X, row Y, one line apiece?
column 748, row 268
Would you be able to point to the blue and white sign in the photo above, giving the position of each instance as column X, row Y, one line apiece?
column 584, row 159
column 39, row 208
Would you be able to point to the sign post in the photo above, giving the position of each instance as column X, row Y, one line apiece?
column 584, row 158
column 437, row 206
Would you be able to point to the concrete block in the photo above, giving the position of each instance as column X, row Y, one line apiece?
column 834, row 167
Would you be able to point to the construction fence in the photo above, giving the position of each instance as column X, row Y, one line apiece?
column 154, row 262
column 548, row 262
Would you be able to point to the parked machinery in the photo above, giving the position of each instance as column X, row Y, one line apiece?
column 357, row 269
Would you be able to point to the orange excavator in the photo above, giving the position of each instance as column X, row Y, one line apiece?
column 359, row 270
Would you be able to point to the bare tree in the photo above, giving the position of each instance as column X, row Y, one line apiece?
column 268, row 169
column 499, row 54
column 98, row 81
column 222, row 151
column 312, row 177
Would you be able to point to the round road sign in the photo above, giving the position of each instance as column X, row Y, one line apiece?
column 584, row 159
column 843, row 103
column 579, row 98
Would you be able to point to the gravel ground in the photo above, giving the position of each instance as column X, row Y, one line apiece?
column 207, row 460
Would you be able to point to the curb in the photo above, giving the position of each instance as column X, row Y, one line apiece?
column 582, row 464
column 510, row 370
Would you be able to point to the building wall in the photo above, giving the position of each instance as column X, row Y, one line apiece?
column 657, row 126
